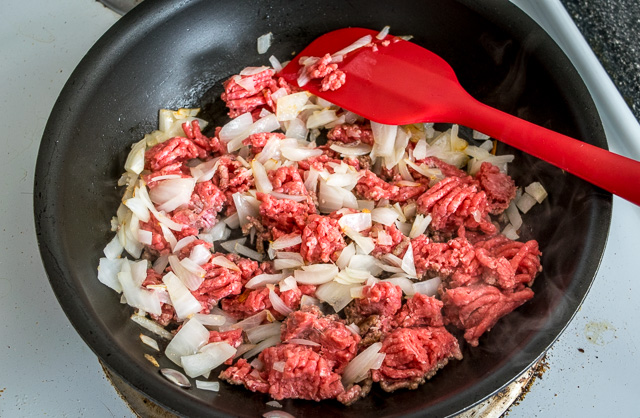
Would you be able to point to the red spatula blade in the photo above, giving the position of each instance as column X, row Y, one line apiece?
column 396, row 84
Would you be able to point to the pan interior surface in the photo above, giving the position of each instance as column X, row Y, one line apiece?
column 168, row 54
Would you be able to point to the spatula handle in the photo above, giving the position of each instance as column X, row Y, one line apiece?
column 612, row 172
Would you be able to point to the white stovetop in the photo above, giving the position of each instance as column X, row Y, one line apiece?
column 46, row 369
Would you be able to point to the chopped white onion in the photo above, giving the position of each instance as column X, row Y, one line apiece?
column 405, row 284
column 365, row 40
column 352, row 150
column 302, row 341
column 182, row 300
column 248, row 252
column 366, row 263
column 152, row 326
column 525, row 202
column 316, row 274
column 383, row 33
column 149, row 341
column 206, row 385
column 299, row 154
column 137, row 297
column 230, row 246
column 108, row 270
column 269, row 342
column 262, row 280
column 204, row 171
column 510, row 232
column 514, row 216
column 356, row 221
column 190, row 279
column 427, row 287
column 536, row 190
column 212, row 320
column 187, row 341
column 223, row 261
column 183, row 243
column 385, row 215
column 289, row 106
column 360, row 365
column 264, row 42
column 407, row 262
column 263, row 184
column 384, row 138
column 173, row 193
column 420, row 224
column 345, row 256
column 210, row 356
column 321, row 118
column 278, row 304
column 365, row 243
column 335, row 294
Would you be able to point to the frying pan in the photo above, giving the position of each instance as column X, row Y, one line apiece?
column 170, row 54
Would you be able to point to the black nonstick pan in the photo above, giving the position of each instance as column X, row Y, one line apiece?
column 170, row 54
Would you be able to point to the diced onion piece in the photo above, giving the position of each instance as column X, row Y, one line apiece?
column 289, row 106
column 174, row 376
column 223, row 261
column 352, row 150
column 264, row 42
column 407, row 262
column 277, row 414
column 321, row 118
column 267, row 123
column 309, row 300
column 289, row 283
column 384, row 138
column 404, row 227
column 152, row 326
column 263, row 184
column 514, row 216
column 365, row 40
column 345, row 256
column 190, row 279
column 269, row 342
column 137, row 297
column 302, row 341
column 182, row 300
column 200, row 254
column 366, row 205
column 236, row 127
column 526, row 202
column 383, row 33
column 346, row 180
column 206, row 385
column 420, row 150
column 149, row 341
column 113, row 249
column 510, row 232
column 316, row 274
column 479, row 135
column 278, row 304
column 366, row 263
column 145, row 237
column 187, row 341
column 536, row 190
column 212, row 320
column 231, row 245
column 248, row 252
column 299, row 154
column 244, row 208
column 420, row 224
column 385, row 216
column 210, row 356
column 262, row 280
column 108, row 270
column 204, row 171
column 427, row 287
column 135, row 159
column 168, row 195
column 357, row 292
column 365, row 243
column 356, row 221
column 183, row 243
column 232, row 221
column 216, row 233
column 335, row 294
column 360, row 365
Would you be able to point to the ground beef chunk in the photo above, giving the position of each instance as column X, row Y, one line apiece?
column 348, row 133
column 453, row 203
column 524, row 258
column 245, row 97
column 233, row 338
column 251, row 302
column 259, row 140
column 219, row 282
column 319, row 163
column 444, row 257
column 201, row 212
column 355, row 392
column 193, row 132
column 338, row 344
column 447, row 169
column 499, row 187
column 383, row 298
column 321, row 239
column 372, row 187
column 174, row 150
column 285, row 216
column 385, row 243
column 307, row 375
column 476, row 308
column 414, row 355
column 405, row 193
column 420, row 310
column 232, row 177
column 287, row 180
column 159, row 245
column 332, row 78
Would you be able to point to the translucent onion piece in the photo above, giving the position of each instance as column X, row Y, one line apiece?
column 211, row 319
column 108, row 273
column 187, row 341
column 171, row 194
column 352, row 150
column 365, row 40
column 236, row 126
column 152, row 326
column 360, row 365
column 299, row 154
column 385, row 216
column 420, row 225
column 356, row 221
column 149, row 341
column 366, row 263
column 248, row 252
column 295, row 198
column 536, row 191
column 269, row 342
column 182, row 300
column 135, row 159
column 510, row 232
column 383, row 33
column 262, row 280
column 427, row 287
column 223, row 261
column 309, row 300
column 252, row 321
column 190, row 279
column 297, row 129
column 183, row 243
column 263, row 184
column 278, row 366
column 302, row 341
column 277, row 414
column 384, row 138
column 405, row 284
column 288, row 283
column 137, row 297
column 365, row 243
column 264, row 42
column 288, row 107
column 231, row 245
column 514, row 216
column 316, row 274
column 206, row 385
column 525, row 202
column 407, row 262
column 176, row 377
column 113, row 249
column 200, row 254
column 278, row 304
column 204, row 171
column 321, row 118
column 335, row 294
column 210, row 356
column 244, row 208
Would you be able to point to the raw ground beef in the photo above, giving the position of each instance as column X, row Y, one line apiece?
column 251, row 302
column 499, row 187
column 476, row 308
column 348, row 133
column 372, row 187
column 382, row 298
column 414, row 355
column 321, row 239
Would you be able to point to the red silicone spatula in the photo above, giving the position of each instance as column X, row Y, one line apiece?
column 403, row 83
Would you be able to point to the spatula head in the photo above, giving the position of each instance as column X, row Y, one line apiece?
column 397, row 84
